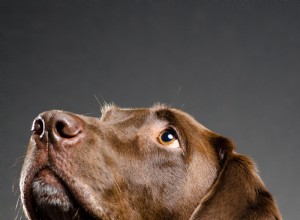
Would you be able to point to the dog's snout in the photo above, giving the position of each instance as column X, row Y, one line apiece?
column 57, row 127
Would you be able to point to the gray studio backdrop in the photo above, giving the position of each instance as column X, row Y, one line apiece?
column 233, row 66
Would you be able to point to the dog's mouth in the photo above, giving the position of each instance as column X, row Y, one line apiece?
column 50, row 199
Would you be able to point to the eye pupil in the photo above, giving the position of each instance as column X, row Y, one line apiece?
column 167, row 136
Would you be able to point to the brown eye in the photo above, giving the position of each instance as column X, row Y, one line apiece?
column 167, row 137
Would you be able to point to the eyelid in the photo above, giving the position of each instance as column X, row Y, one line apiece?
column 178, row 136
column 174, row 129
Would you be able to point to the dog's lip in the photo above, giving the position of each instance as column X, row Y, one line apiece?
column 53, row 184
column 48, row 186
column 48, row 177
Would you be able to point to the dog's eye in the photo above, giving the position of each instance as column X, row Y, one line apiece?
column 168, row 138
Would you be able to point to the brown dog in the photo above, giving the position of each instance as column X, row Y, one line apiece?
column 156, row 163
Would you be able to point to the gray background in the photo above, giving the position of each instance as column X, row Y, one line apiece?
column 233, row 66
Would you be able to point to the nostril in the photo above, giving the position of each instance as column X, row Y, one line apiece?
column 38, row 126
column 67, row 128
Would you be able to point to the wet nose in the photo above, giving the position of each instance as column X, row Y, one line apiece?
column 58, row 127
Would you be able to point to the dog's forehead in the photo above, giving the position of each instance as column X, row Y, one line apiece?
column 115, row 115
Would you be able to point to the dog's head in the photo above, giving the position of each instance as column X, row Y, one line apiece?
column 152, row 163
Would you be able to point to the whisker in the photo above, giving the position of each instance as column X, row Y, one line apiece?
column 76, row 214
column 106, row 103
column 18, row 160
column 15, row 189
column 18, row 203
column 87, row 114
column 101, row 106
column 19, row 209
column 179, row 90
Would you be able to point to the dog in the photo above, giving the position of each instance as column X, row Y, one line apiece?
column 144, row 163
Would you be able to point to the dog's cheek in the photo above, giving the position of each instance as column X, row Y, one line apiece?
column 155, row 179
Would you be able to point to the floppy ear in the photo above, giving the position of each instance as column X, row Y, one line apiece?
column 238, row 192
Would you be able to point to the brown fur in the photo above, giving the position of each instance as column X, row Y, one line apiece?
column 80, row 167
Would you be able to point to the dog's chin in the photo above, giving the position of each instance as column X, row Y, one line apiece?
column 51, row 199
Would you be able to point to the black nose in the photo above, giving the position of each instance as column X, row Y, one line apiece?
column 57, row 126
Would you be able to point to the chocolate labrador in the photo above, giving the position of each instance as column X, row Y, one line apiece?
column 150, row 163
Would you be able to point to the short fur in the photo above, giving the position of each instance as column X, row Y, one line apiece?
column 80, row 167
